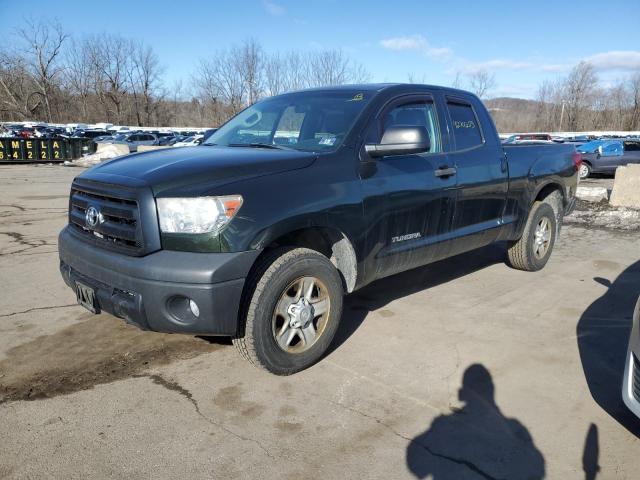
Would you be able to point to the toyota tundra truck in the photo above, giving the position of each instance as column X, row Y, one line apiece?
column 300, row 199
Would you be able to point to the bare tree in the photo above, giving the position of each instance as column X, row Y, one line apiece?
column 250, row 59
column 144, row 82
column 43, row 43
column 579, row 90
column 633, row 89
column 111, row 62
column 482, row 82
column 546, row 107
column 218, row 81
column 18, row 92
column 274, row 74
column 296, row 72
column 78, row 74
column 457, row 80
column 333, row 67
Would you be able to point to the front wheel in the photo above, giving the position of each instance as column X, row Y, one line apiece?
column 294, row 308
column 534, row 248
column 585, row 171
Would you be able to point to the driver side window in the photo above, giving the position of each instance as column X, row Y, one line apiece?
column 422, row 114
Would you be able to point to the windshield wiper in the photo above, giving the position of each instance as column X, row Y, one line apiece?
column 260, row 145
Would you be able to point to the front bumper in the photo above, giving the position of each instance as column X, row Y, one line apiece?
column 150, row 291
column 631, row 382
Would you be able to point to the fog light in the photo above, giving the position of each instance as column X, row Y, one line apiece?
column 194, row 308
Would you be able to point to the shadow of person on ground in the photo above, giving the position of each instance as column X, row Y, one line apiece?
column 477, row 441
column 382, row 292
column 603, row 337
column 591, row 454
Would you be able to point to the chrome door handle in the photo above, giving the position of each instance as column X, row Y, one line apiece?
column 445, row 172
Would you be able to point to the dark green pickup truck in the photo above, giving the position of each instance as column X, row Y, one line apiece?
column 298, row 200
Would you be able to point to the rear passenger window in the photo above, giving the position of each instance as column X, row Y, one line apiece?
column 416, row 115
column 466, row 128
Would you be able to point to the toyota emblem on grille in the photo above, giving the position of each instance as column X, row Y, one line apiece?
column 93, row 217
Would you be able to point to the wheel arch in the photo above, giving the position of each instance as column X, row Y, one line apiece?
column 546, row 189
column 329, row 241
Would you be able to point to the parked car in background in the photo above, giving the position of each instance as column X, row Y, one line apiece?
column 528, row 137
column 133, row 140
column 91, row 133
column 103, row 138
column 190, row 141
column 207, row 133
column 631, row 382
column 605, row 156
column 166, row 139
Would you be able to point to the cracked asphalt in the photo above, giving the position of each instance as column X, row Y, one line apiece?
column 462, row 369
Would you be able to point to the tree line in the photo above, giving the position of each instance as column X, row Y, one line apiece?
column 574, row 103
column 53, row 76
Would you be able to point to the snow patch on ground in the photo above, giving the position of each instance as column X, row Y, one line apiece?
column 603, row 215
column 107, row 152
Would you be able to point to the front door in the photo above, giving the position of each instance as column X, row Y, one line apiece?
column 407, row 206
column 611, row 156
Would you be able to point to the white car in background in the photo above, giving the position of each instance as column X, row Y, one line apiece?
column 190, row 141
column 631, row 382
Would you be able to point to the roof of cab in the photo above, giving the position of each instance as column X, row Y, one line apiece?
column 378, row 87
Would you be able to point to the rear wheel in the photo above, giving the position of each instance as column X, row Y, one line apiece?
column 534, row 248
column 294, row 307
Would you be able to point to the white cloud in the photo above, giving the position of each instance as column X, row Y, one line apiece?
column 510, row 90
column 606, row 61
column 418, row 43
column 615, row 60
column 273, row 8
column 503, row 64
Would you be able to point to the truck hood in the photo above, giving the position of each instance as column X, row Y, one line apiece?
column 192, row 171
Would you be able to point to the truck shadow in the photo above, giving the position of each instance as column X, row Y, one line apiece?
column 603, row 336
column 382, row 292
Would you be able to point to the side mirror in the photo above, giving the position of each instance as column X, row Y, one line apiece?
column 401, row 140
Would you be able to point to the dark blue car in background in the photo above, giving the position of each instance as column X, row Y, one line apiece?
column 604, row 156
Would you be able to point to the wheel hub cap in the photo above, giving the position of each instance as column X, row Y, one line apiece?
column 542, row 238
column 300, row 314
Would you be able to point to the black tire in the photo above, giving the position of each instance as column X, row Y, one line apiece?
column 523, row 254
column 266, row 286
column 585, row 171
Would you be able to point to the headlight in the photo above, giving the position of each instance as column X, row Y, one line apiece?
column 197, row 215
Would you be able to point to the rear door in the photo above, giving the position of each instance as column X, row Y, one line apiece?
column 408, row 208
column 482, row 174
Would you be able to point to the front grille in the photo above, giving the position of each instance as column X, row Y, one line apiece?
column 636, row 378
column 121, row 227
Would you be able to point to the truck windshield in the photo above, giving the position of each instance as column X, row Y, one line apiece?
column 309, row 121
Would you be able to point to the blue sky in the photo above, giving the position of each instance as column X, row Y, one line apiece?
column 521, row 42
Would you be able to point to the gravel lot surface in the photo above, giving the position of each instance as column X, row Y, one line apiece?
column 462, row 369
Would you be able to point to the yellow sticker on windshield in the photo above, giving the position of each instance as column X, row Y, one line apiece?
column 357, row 97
